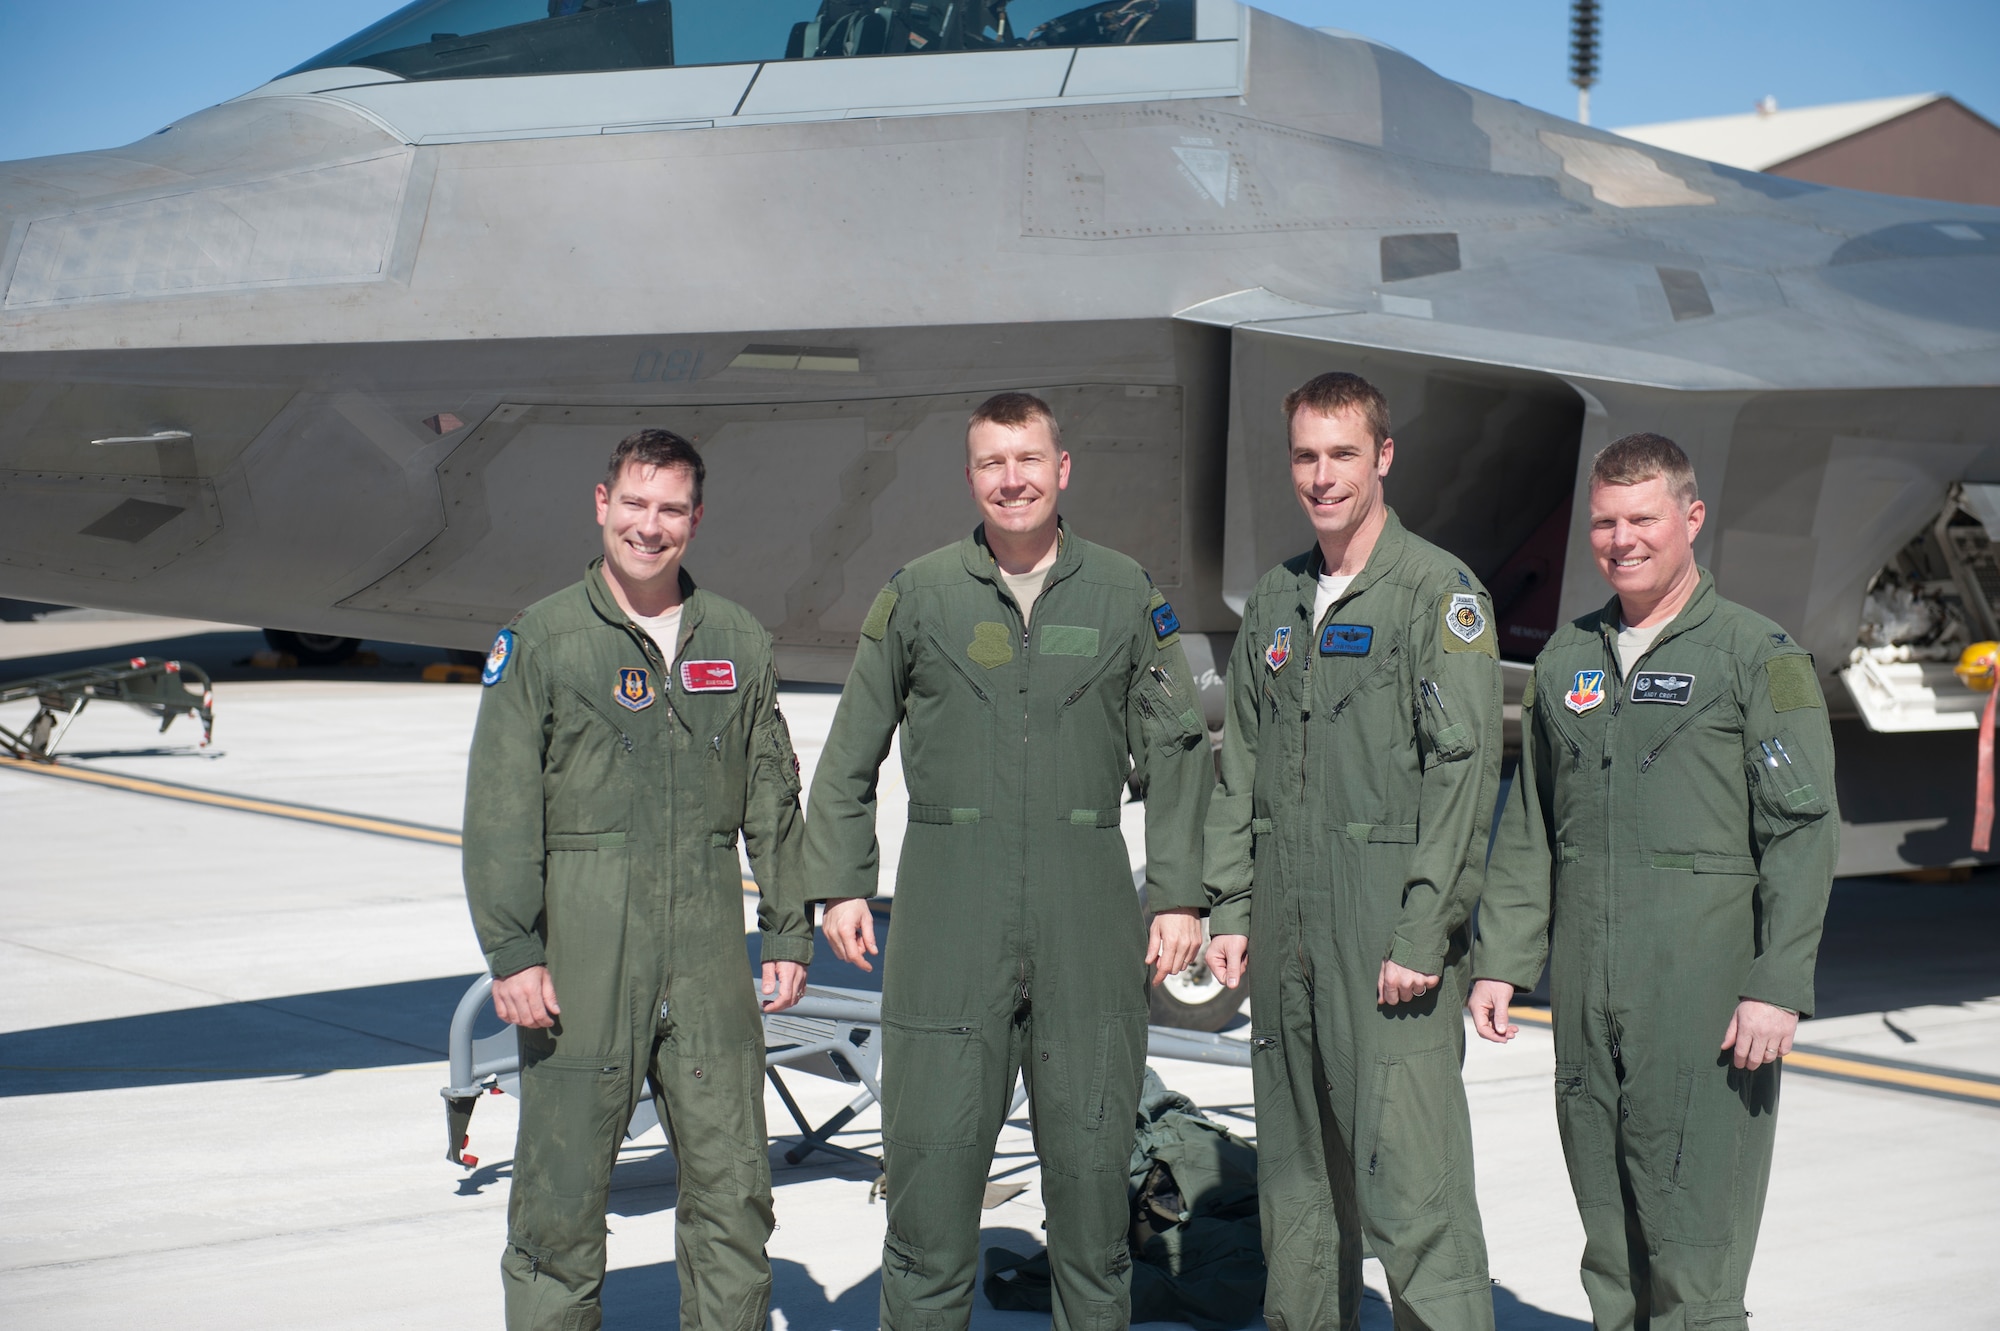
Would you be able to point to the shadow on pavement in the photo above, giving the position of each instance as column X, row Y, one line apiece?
column 305, row 1035
column 228, row 657
column 650, row 1297
column 1893, row 944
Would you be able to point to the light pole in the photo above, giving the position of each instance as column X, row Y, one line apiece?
column 1583, row 53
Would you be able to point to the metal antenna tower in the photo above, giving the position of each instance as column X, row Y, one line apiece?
column 1583, row 53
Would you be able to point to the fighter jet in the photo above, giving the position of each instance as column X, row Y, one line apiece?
column 343, row 355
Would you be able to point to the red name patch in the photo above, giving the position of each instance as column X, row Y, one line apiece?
column 708, row 676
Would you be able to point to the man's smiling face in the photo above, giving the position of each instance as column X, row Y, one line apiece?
column 1642, row 539
column 648, row 516
column 1337, row 471
column 1016, row 474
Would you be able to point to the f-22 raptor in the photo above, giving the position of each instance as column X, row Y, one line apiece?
column 344, row 354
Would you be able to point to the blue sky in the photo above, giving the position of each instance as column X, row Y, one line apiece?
column 75, row 76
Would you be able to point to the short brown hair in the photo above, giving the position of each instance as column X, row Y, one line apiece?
column 1337, row 391
column 656, row 448
column 1638, row 458
column 1015, row 411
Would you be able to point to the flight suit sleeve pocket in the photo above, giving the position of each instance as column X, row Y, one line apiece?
column 1782, row 783
column 1444, row 740
column 784, row 758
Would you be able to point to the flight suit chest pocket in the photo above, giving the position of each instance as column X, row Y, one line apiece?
column 719, row 733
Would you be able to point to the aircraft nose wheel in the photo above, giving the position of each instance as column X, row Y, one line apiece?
column 1193, row 999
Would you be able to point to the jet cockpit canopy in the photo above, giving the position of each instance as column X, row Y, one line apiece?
column 451, row 39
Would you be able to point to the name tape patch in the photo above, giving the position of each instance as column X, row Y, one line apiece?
column 1346, row 639
column 635, row 689
column 1662, row 686
column 497, row 658
column 708, row 676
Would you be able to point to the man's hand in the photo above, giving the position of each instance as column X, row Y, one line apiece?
column 528, row 998
column 1488, row 1004
column 1228, row 957
column 787, row 980
column 849, row 927
column 1175, row 941
column 1400, row 984
column 1760, row 1033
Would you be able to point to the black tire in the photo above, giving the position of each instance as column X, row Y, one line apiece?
column 312, row 649
column 1194, row 1000
column 38, row 732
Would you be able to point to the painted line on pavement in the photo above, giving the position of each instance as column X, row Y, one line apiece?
column 299, row 813
column 1865, row 1070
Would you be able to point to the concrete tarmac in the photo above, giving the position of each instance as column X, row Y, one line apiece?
column 224, row 1038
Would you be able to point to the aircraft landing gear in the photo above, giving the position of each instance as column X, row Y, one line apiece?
column 312, row 649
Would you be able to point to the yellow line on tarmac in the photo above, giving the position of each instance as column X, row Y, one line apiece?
column 302, row 813
column 1899, row 1077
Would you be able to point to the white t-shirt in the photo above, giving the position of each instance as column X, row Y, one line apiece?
column 1025, row 588
column 1331, row 588
column 1635, row 643
column 664, row 630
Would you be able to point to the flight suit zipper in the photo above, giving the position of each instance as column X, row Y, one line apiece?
column 602, row 715
column 963, row 673
column 1095, row 675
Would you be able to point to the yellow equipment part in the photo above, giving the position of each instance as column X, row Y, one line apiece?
column 1979, row 666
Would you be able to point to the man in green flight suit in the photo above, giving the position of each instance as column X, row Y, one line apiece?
column 1027, row 669
column 628, row 731
column 1359, row 772
column 1674, row 815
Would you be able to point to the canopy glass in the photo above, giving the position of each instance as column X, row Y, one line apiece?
column 449, row 39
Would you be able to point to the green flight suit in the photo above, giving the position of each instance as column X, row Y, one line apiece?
column 601, row 813
column 1018, row 944
column 1359, row 772
column 1678, row 828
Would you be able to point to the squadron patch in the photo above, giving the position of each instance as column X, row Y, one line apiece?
column 1165, row 622
column 497, row 658
column 1280, row 650
column 1346, row 639
column 1586, row 692
column 1464, row 617
column 708, row 676
column 635, row 689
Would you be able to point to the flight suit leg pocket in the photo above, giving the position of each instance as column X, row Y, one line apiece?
column 573, row 1114
column 1413, row 1144
column 1409, row 1141
column 715, row 1097
column 934, row 1078
column 1116, row 1071
column 1702, row 1177
column 1584, row 1127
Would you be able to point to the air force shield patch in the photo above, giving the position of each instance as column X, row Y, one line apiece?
column 635, row 689
column 1280, row 650
column 1586, row 692
column 1464, row 617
